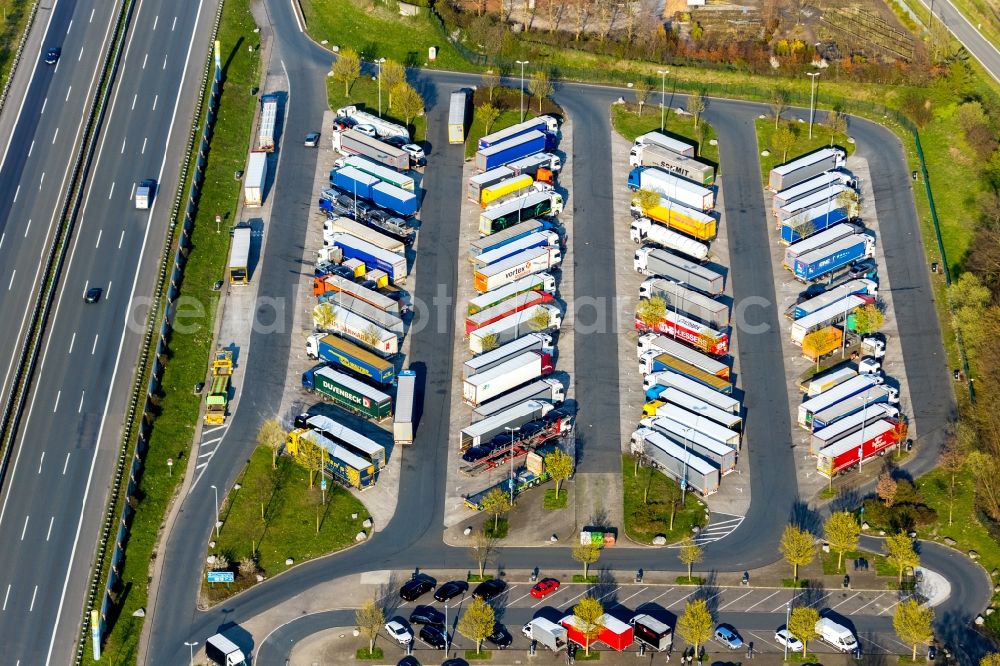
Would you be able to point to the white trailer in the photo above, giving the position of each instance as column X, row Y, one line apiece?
column 344, row 225
column 671, row 379
column 508, row 375
column 656, row 262
column 807, row 187
column 817, row 198
column 831, row 314
column 828, row 380
column 670, row 143
column 825, row 237
column 268, row 118
column 673, row 187
column 719, row 454
column 363, row 332
column 687, row 301
column 530, row 342
column 352, row 440
column 383, row 127
column 803, row 168
column 524, row 263
column 481, row 432
column 699, row 407
column 645, row 229
column 254, row 180
column 682, row 465
column 833, row 433
column 546, row 390
column 692, row 421
column 513, row 326
column 841, row 391
column 403, row 415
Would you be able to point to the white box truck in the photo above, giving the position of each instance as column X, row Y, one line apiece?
column 223, row 651
column 253, row 181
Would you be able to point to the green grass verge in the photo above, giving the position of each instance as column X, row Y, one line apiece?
column 15, row 21
column 288, row 529
column 363, row 93
column 644, row 521
column 580, row 578
column 496, row 528
column 803, row 144
column 476, row 578
column 791, row 582
column 799, row 658
column 583, row 656
column 472, row 655
column 508, row 101
column 174, row 427
column 477, row 129
column 626, row 120
column 689, row 580
column 829, row 563
column 553, row 502
column 364, row 653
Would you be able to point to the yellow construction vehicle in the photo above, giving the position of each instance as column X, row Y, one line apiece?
column 218, row 395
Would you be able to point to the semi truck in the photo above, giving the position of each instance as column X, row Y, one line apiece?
column 395, row 199
column 672, row 187
column 383, row 127
column 825, row 237
column 830, row 397
column 492, row 194
column 675, row 396
column 345, row 225
column 342, row 464
column 253, row 181
column 659, row 263
column 512, row 149
column 858, row 448
column 380, row 318
column 695, row 421
column 680, row 218
column 697, row 335
column 514, row 211
column 363, row 332
column 827, row 380
column 457, row 106
column 678, row 146
column 479, row 182
column 217, row 399
column 684, row 368
column 513, row 326
column 798, row 206
column 352, row 142
column 508, row 250
column 494, row 357
column 524, row 263
column 682, row 165
column 547, row 124
column 670, row 379
column 332, row 285
column 350, row 393
column 540, row 166
column 404, row 417
column 372, row 255
column 652, row 632
column 373, row 168
column 813, row 221
column 861, row 287
column 645, row 229
column 719, row 454
column 268, row 118
column 803, row 168
column 505, row 309
column 833, row 257
column 652, row 345
column 481, row 432
column 346, row 354
column 834, row 313
column 674, row 461
column 239, row 256
column 510, row 374
column 508, row 235
column 856, row 403
column 814, row 184
column 354, row 441
column 849, row 425
column 543, row 282
column 548, row 390
column 692, row 303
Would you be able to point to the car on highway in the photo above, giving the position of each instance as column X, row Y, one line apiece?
column 312, row 140
column 451, row 589
column 489, row 589
column 500, row 638
column 52, row 55
column 785, row 639
column 728, row 637
column 424, row 614
column 92, row 295
column 367, row 130
column 544, row 587
column 434, row 636
column 417, row 586
column 399, row 632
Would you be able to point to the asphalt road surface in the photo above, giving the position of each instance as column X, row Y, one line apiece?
column 413, row 538
column 981, row 48
column 68, row 441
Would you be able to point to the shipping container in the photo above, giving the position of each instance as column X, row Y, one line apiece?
column 661, row 263
column 547, row 390
column 688, row 301
column 514, row 326
column 683, row 466
column 855, row 404
column 678, row 146
column 354, row 441
column 481, row 432
column 372, row 255
column 492, row 194
column 537, row 124
column 832, row 396
column 832, row 295
column 688, row 330
column 817, row 241
column 803, row 168
column 239, row 256
column 651, row 345
column 404, row 419
column 515, row 211
column 680, row 218
column 348, row 392
column 669, row 379
column 520, row 265
column 268, row 118
column 512, row 149
column 457, row 107
column 682, row 165
column 644, row 229
column 858, row 448
column 354, row 182
column 537, row 282
column 483, row 180
column 254, row 180
column 508, row 250
column 382, row 172
column 344, row 225
column 352, row 142
column 672, row 187
column 830, row 258
column 835, row 313
column 346, row 354
column 394, row 199
column 508, row 375
column 849, row 425
column 807, row 187
column 492, row 358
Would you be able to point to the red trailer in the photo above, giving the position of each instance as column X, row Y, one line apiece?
column 522, row 301
column 687, row 330
column 860, row 447
column 614, row 633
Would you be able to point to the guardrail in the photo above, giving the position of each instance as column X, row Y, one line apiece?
column 148, row 377
column 17, row 54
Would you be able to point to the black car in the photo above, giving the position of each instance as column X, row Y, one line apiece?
column 531, row 428
column 417, row 587
column 93, row 295
column 474, row 454
column 451, row 589
column 434, row 636
column 812, row 291
column 500, row 637
column 425, row 614
column 408, row 661
column 396, row 141
column 52, row 55
column 489, row 589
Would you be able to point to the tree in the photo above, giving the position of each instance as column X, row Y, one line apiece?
column 696, row 106
column 261, row 489
column 409, row 103
column 370, row 618
column 271, row 436
column 392, row 74
column 559, row 465
column 477, row 622
column 540, row 321
column 917, row 108
column 324, row 316
column 672, row 496
column 248, row 567
column 582, row 8
column 496, row 502
column 489, row 342
column 312, row 457
column 587, row 554
column 991, row 659
column 695, row 623
column 797, row 548
column 489, row 114
column 841, row 530
column 347, row 68
column 491, row 81
column 646, row 199
column 651, row 311
column 483, row 549
column 588, row 613
column 642, row 89
column 782, row 141
column 370, row 334
column 901, row 553
column 817, row 344
column 837, row 122
column 952, row 461
column 913, row 623
column 540, row 86
column 868, row 319
column 886, row 488
column 802, row 625
column 779, row 102
column 690, row 554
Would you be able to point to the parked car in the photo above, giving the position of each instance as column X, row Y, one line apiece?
column 367, row 130
column 544, row 587
column 434, row 636
column 489, row 589
column 728, row 637
column 425, row 614
column 500, row 637
column 398, row 631
column 864, row 269
column 784, row 638
column 312, row 140
column 475, row 454
column 417, row 154
column 409, row 660
column 396, row 141
column 451, row 589
column 417, row 587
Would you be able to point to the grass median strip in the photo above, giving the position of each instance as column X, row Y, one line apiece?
column 627, row 121
column 648, row 497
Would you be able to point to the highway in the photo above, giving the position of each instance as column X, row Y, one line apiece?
column 413, row 538
column 67, row 443
column 981, row 48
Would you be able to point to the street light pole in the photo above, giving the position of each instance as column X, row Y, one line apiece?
column 216, row 511
column 812, row 97
column 446, row 635
column 788, row 614
column 663, row 94
column 191, row 647
column 379, row 63
column 684, row 478
column 512, row 431
column 522, row 63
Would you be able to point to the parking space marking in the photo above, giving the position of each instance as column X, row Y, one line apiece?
column 681, row 599
column 765, row 640
column 579, row 595
column 639, row 592
column 858, row 610
column 547, row 597
column 735, row 600
column 761, row 601
column 669, row 589
column 845, row 601
column 527, row 594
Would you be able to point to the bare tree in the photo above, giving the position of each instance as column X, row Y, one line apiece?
column 696, row 105
column 631, row 18
column 483, row 550
column 642, row 89
column 554, row 13
column 779, row 102
column 491, row 81
column 540, row 86
column 582, row 8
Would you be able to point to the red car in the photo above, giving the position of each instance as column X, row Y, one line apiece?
column 544, row 587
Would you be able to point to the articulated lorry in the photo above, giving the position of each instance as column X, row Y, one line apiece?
column 680, row 218
column 514, row 326
column 825, row 237
column 682, row 165
column 827, row 380
column 383, row 127
column 493, row 194
column 340, row 463
column 652, row 345
column 833, row 433
column 656, row 262
column 515, row 148
column 833, row 294
column 832, row 396
column 506, row 251
column 506, row 309
column 362, row 331
column 814, row 184
column 403, row 418
column 800, row 205
column 540, row 166
column 860, row 447
column 546, row 124
column 855, row 404
column 697, row 335
column 373, row 168
column 833, row 257
column 696, row 440
column 268, row 118
column 508, row 235
column 354, row 441
column 371, row 255
column 530, row 342
column 341, row 352
column 510, row 374
column 676, row 462
column 646, row 230
column 515, row 416
column 239, row 255
column 672, row 187
column 457, row 107
column 522, row 264
column 517, row 210
column 812, row 221
column 834, row 313
column 684, row 148
column 688, row 301
column 543, row 282
column 668, row 379
column 673, row 396
column 331, row 287
column 803, row 168
column 547, row 390
column 688, row 420
column 684, row 368
column 350, row 393
column 479, row 182
column 344, row 225
column 352, row 142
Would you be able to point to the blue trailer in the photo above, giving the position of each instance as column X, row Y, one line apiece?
column 395, row 199
column 829, row 258
column 539, row 123
column 812, row 221
column 508, row 235
column 371, row 255
column 507, row 250
column 348, row 355
column 354, row 181
column 510, row 150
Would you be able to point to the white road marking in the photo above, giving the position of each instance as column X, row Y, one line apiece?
column 669, row 589
column 155, row 98
column 16, row 192
column 41, row 181
column 512, row 602
column 33, row 595
column 735, row 600
column 174, row 25
column 5, row 597
column 68, row 91
column 209, row 431
column 2, row 237
column 211, row 441
column 112, row 189
column 134, row 97
column 585, row 590
column 164, row 62
column 31, row 148
column 71, row 341
column 632, row 595
column 212, row 453
column 56, row 69
column 49, row 533
column 55, row 135
column 25, row 528
column 546, row 598
column 94, row 346
column 144, row 59
column 44, row 102
column 66, row 464
column 858, row 610
column 131, row 192
column 92, row 15
column 747, row 610
column 123, row 146
column 201, row 465
column 40, row 461
column 845, row 601
column 682, row 598
column 121, row 239
column 27, row 228
column 70, row 26
column 80, row 407
column 11, row 283
column 78, row 58
column 144, row 145
column 100, row 232
column 156, row 20
column 107, row 294
column 56, row 405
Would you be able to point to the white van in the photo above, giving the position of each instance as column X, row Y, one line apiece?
column 836, row 635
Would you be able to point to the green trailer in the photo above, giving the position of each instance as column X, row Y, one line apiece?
column 352, row 394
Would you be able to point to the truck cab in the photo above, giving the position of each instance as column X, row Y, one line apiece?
column 144, row 194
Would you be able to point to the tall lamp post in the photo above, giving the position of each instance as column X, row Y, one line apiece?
column 812, row 98
column 512, row 431
column 684, row 478
column 788, row 615
column 663, row 95
column 217, row 521
column 191, row 647
column 522, row 63
column 379, row 64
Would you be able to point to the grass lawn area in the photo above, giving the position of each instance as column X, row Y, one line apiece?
column 174, row 427
column 364, row 94
column 803, row 144
column 472, row 655
column 829, row 562
column 791, row 582
column 363, row 653
column 645, row 521
column 289, row 527
column 376, row 30
column 626, row 120
column 552, row 502
column 496, row 528
column 508, row 100
column 692, row 580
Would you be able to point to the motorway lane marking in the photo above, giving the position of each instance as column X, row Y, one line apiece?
column 58, row 395
column 80, row 408
column 100, row 232
column 71, row 341
column 11, row 284
column 25, row 528
column 92, row 15
column 845, row 601
column 858, row 610
column 5, row 597
column 55, row 135
column 164, row 62
column 735, row 600
column 144, row 59
column 131, row 192
column 174, row 24
column 40, row 461
column 68, row 91
column 112, row 189
column 134, row 97
column 66, row 464
column 56, row 69
column 27, row 226
column 155, row 98
column 31, row 148
column 44, row 102
column 70, row 26
column 33, row 595
column 144, row 145
column 123, row 150
column 49, row 533
column 41, row 182
column 2, row 237
column 18, row 191
column 296, row 15
column 79, row 57
column 156, row 20
column 200, row 465
column 122, row 238
column 107, row 295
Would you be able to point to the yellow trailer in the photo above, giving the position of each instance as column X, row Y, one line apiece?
column 686, row 220
column 218, row 395
column 504, row 188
